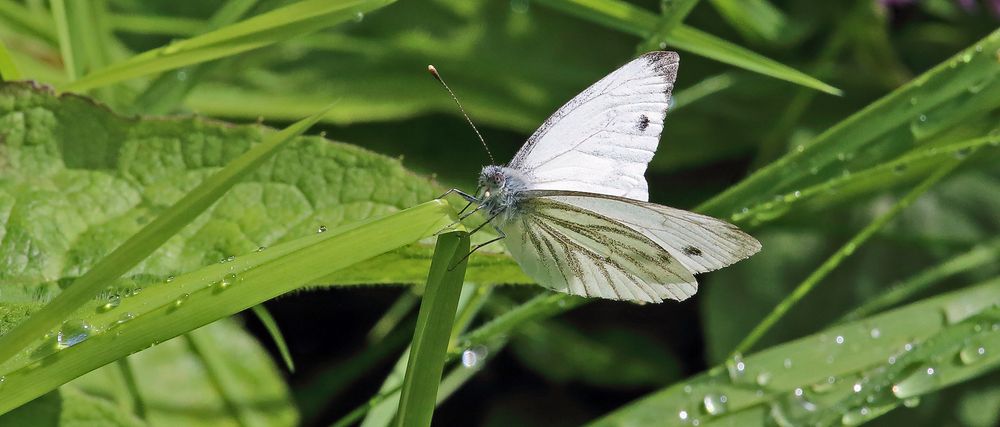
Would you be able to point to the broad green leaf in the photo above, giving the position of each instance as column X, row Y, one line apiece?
column 238, row 384
column 149, row 238
column 119, row 173
column 787, row 383
column 69, row 406
column 280, row 24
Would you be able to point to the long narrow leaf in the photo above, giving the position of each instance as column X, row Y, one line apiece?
column 434, row 325
column 259, row 31
column 634, row 20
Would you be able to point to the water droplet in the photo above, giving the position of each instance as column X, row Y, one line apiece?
column 170, row 279
column 715, row 404
column 892, row 360
column 919, row 382
column 3, row 380
column 962, row 153
column 663, row 45
column 182, row 75
column 228, row 281
column 913, row 100
column 874, row 333
column 358, row 17
column 113, row 302
column 688, row 389
column 321, row 229
column 763, row 378
column 72, row 333
column 919, row 127
column 474, row 356
column 908, row 347
column 967, row 57
column 972, row 354
column 261, row 249
column 181, row 300
column 912, row 402
column 856, row 417
column 840, row 338
column 798, row 392
column 737, row 368
column 857, row 387
column 787, row 363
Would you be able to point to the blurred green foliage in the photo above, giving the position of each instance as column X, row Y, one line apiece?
column 921, row 88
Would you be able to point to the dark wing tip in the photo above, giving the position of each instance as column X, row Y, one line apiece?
column 662, row 60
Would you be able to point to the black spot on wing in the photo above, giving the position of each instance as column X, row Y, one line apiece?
column 643, row 123
column 693, row 251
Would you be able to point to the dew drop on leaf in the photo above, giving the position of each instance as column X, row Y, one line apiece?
column 715, row 404
column 72, row 333
column 321, row 229
column 113, row 302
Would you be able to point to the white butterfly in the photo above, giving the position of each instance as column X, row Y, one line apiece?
column 572, row 206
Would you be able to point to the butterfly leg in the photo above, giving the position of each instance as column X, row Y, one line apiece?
column 468, row 197
column 500, row 233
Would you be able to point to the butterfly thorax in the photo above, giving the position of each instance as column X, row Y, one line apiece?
column 501, row 190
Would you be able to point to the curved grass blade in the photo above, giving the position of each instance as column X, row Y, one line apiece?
column 147, row 240
column 987, row 253
column 272, row 329
column 166, row 310
column 785, row 381
column 418, row 397
column 25, row 20
column 262, row 30
column 631, row 19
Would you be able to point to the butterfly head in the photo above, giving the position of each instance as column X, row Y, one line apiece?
column 500, row 188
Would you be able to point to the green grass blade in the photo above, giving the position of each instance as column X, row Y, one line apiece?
column 168, row 90
column 672, row 15
column 8, row 69
column 845, row 251
column 156, row 24
column 166, row 310
column 272, row 329
column 128, row 377
column 393, row 316
column 262, row 30
column 66, row 49
column 709, row 46
column 434, row 326
column 950, row 94
column 778, row 382
column 147, row 240
column 631, row 19
column 987, row 253
column 26, row 21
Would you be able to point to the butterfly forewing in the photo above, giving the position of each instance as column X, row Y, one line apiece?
column 601, row 140
column 575, row 250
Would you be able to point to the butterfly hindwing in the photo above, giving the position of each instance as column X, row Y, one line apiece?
column 577, row 251
column 701, row 243
column 602, row 139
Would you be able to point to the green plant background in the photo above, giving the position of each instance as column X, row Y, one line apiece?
column 891, row 185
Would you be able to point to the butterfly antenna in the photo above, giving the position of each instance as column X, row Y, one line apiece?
column 434, row 72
